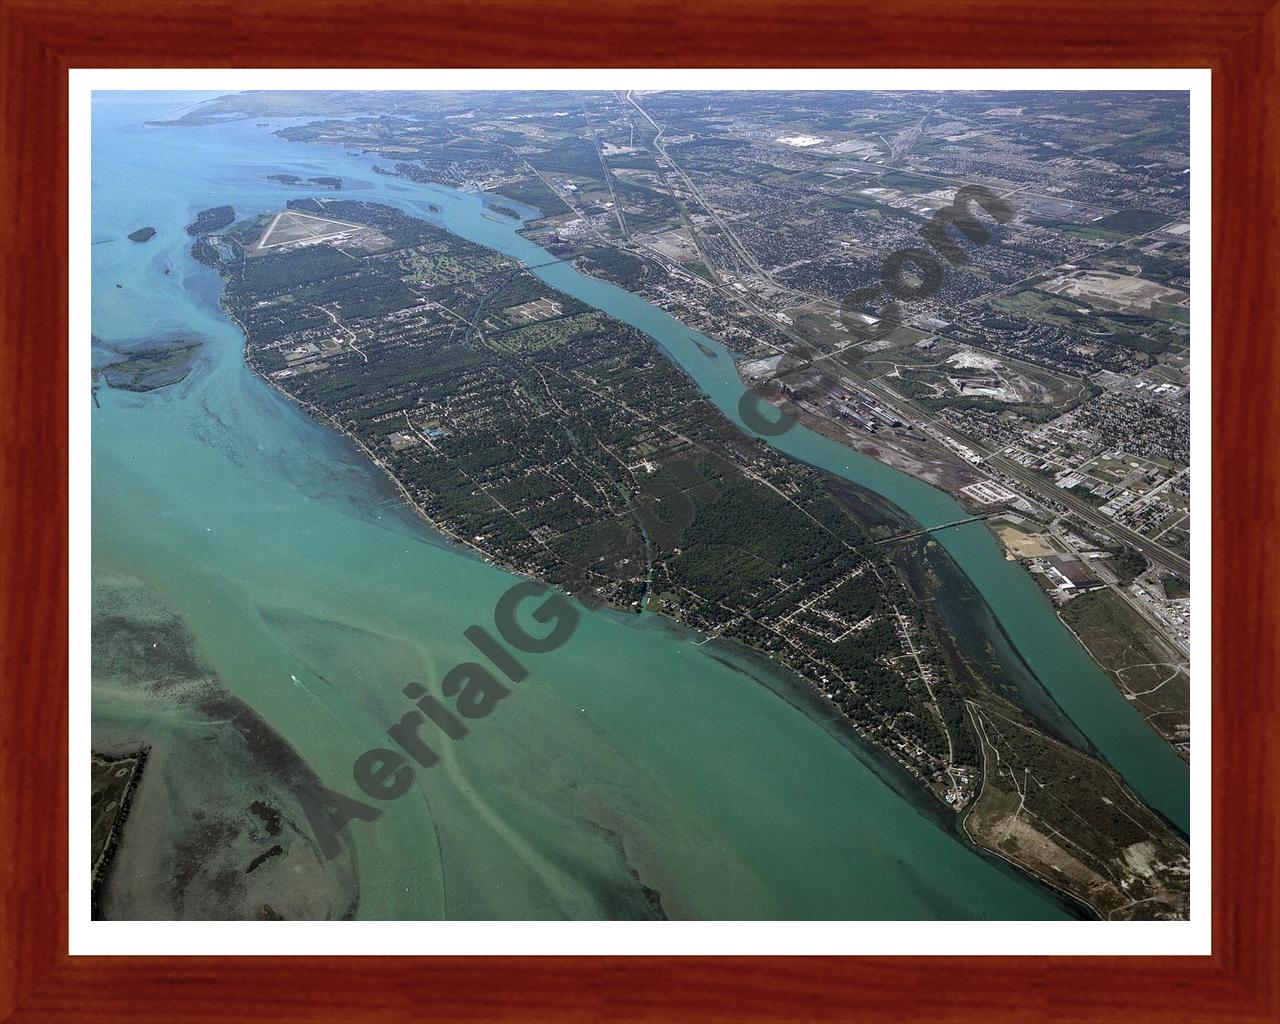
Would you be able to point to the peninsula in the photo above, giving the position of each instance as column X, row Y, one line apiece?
column 213, row 219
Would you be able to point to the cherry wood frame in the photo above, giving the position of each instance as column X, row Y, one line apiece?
column 41, row 39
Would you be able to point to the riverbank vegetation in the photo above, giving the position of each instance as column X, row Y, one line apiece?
column 1153, row 678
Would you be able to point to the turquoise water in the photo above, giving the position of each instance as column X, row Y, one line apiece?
column 1084, row 692
column 289, row 556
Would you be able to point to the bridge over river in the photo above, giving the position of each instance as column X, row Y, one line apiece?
column 944, row 526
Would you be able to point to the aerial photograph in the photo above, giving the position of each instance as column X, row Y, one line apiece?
column 640, row 505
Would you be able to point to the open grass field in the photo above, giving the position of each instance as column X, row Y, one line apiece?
column 1067, row 818
column 1120, row 292
column 1121, row 641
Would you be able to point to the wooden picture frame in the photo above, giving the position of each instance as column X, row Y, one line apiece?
column 42, row 40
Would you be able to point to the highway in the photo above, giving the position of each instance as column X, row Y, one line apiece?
column 725, row 230
column 1160, row 555
column 1046, row 490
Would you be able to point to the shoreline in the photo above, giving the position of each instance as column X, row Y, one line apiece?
column 137, row 759
column 1185, row 755
column 925, row 796
column 842, row 729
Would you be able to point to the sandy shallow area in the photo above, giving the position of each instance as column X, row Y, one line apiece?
column 215, row 829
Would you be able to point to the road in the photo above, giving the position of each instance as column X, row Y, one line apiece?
column 1045, row 489
column 725, row 230
column 1158, row 553
column 608, row 176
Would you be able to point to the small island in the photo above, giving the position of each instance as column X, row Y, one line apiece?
column 317, row 182
column 213, row 219
column 142, row 235
column 149, row 368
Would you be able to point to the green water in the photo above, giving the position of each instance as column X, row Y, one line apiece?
column 627, row 751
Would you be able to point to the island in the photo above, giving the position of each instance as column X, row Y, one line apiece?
column 320, row 181
column 567, row 448
column 142, row 234
column 213, row 219
column 149, row 368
